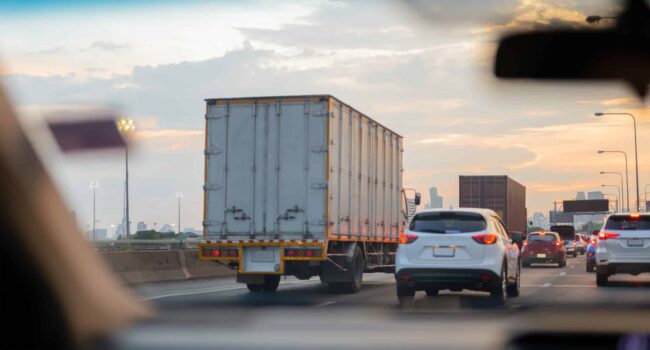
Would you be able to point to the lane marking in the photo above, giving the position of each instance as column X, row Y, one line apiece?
column 559, row 285
column 217, row 290
column 546, row 285
column 562, row 273
column 325, row 304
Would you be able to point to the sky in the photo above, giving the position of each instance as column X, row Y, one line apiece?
column 422, row 68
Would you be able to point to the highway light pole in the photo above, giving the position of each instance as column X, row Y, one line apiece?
column 627, row 178
column 125, row 126
column 622, row 192
column 179, row 195
column 93, row 186
column 645, row 197
column 618, row 190
column 636, row 153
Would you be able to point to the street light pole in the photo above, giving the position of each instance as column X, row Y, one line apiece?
column 622, row 192
column 179, row 195
column 627, row 178
column 126, row 126
column 618, row 190
column 93, row 186
column 636, row 153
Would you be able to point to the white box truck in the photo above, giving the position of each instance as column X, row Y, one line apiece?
column 303, row 186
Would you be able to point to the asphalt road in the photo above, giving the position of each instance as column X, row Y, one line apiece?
column 541, row 285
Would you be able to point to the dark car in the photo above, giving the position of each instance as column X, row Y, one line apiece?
column 591, row 254
column 543, row 247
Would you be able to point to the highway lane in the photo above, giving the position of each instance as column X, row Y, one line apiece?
column 541, row 285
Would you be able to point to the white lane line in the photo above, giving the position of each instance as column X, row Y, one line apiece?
column 562, row 273
column 325, row 304
column 558, row 285
column 546, row 285
column 217, row 290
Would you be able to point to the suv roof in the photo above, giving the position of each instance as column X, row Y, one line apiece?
column 481, row 211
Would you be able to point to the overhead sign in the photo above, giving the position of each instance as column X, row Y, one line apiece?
column 586, row 206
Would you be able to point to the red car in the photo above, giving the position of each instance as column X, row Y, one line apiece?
column 543, row 247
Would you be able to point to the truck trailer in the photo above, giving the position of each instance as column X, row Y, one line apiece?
column 302, row 186
column 500, row 193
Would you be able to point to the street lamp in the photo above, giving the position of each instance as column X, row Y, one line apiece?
column 179, row 195
column 615, row 196
column 627, row 178
column 636, row 153
column 94, row 186
column 618, row 190
column 645, row 197
column 125, row 126
column 597, row 19
column 622, row 192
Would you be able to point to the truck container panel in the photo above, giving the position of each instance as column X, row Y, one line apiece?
column 499, row 193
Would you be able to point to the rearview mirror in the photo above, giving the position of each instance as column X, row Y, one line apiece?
column 418, row 198
column 621, row 53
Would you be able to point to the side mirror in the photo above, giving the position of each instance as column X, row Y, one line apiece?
column 595, row 232
column 517, row 237
column 418, row 198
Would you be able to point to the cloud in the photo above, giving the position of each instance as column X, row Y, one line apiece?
column 619, row 101
column 541, row 113
column 108, row 46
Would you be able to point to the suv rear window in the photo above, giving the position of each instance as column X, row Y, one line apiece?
column 625, row 222
column 540, row 238
column 448, row 222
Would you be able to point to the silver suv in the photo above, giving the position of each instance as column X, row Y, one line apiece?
column 623, row 246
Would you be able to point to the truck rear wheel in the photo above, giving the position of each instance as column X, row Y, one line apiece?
column 270, row 285
column 355, row 274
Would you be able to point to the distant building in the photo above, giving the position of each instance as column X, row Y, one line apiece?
column 580, row 196
column 539, row 220
column 119, row 230
column 100, row 234
column 141, row 226
column 435, row 200
column 595, row 195
column 166, row 228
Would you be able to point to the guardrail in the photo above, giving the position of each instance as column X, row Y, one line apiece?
column 145, row 244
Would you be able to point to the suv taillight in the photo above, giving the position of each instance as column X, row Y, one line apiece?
column 605, row 235
column 407, row 238
column 487, row 238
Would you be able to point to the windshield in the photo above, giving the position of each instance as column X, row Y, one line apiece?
column 448, row 222
column 323, row 156
column 542, row 238
column 627, row 223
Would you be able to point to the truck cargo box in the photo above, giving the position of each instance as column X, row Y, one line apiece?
column 500, row 193
column 300, row 168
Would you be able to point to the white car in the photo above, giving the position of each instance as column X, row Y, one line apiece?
column 457, row 249
column 623, row 246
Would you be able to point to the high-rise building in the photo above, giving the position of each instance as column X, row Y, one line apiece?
column 539, row 220
column 119, row 230
column 595, row 195
column 141, row 226
column 580, row 196
column 166, row 228
column 435, row 200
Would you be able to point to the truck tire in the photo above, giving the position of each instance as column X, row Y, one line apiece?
column 355, row 274
column 271, row 283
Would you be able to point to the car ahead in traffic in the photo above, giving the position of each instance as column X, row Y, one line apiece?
column 570, row 246
column 590, row 260
column 623, row 246
column 457, row 249
column 543, row 247
column 581, row 244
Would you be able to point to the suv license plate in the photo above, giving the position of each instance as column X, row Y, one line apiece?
column 635, row 242
column 541, row 255
column 445, row 252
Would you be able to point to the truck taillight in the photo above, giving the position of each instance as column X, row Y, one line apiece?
column 221, row 252
column 407, row 238
column 605, row 235
column 303, row 252
column 487, row 238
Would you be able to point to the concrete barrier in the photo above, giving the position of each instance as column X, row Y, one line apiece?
column 162, row 265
